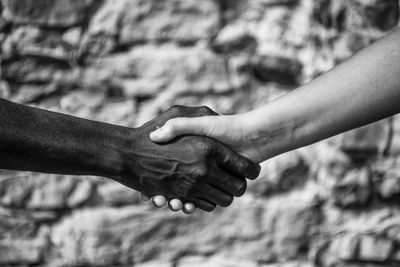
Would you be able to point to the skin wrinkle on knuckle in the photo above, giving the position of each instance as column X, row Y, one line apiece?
column 201, row 172
column 167, row 176
column 189, row 178
column 190, row 181
column 187, row 187
column 202, row 148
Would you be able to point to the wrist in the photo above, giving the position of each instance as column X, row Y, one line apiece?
column 109, row 150
column 274, row 130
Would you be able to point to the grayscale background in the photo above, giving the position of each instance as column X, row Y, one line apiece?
column 332, row 204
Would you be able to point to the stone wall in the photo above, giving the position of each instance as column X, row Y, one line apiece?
column 335, row 203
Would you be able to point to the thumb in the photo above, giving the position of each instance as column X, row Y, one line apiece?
column 180, row 126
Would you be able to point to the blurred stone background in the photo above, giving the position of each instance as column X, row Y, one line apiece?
column 335, row 203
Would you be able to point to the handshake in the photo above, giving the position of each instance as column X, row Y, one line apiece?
column 177, row 157
column 189, row 171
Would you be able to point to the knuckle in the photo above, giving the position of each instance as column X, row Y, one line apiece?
column 201, row 171
column 176, row 109
column 207, row 146
column 206, row 110
column 203, row 147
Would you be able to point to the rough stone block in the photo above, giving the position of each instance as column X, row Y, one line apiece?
column 29, row 40
column 278, row 69
column 389, row 184
column 340, row 181
column 21, row 252
column 345, row 247
column 295, row 223
column 115, row 194
column 30, row 93
column 348, row 43
column 154, row 264
column 22, row 238
column 82, row 103
column 364, row 238
column 395, row 140
column 366, row 141
column 198, row 261
column 147, row 70
column 57, row 13
column 280, row 174
column 375, row 249
column 353, row 190
column 108, row 235
column 234, row 40
column 44, row 192
column 33, row 69
column 117, row 111
column 355, row 14
column 144, row 20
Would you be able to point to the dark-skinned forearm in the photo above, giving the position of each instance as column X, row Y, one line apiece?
column 191, row 168
column 33, row 139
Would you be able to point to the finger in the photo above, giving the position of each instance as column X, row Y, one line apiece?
column 180, row 126
column 205, row 205
column 185, row 111
column 207, row 111
column 176, row 112
column 175, row 204
column 159, row 201
column 188, row 208
column 216, row 196
column 233, row 185
column 144, row 197
column 236, row 164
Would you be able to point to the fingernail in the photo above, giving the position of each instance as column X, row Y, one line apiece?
column 188, row 208
column 175, row 204
column 159, row 201
column 156, row 133
column 144, row 197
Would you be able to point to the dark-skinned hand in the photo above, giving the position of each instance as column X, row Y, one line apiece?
column 190, row 168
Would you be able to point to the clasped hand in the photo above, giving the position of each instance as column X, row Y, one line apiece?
column 192, row 169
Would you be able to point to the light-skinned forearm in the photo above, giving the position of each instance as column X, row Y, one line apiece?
column 361, row 90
